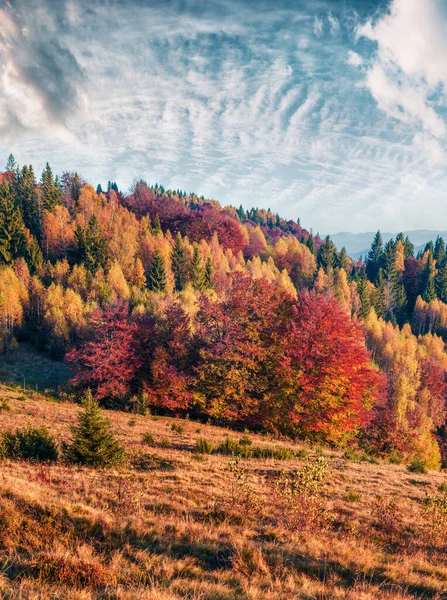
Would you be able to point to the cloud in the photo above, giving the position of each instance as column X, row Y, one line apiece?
column 354, row 59
column 334, row 24
column 318, row 27
column 409, row 69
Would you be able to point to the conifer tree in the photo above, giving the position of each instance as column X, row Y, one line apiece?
column 157, row 275
column 178, row 263
column 441, row 281
column 311, row 244
column 12, row 229
column 439, row 252
column 374, row 258
column 91, row 245
column 343, row 261
column 11, row 164
column 51, row 190
column 29, row 201
column 209, row 270
column 197, row 270
column 99, row 189
column 429, row 291
column 365, row 297
column 327, row 255
column 408, row 248
column 93, row 443
column 378, row 296
column 157, row 227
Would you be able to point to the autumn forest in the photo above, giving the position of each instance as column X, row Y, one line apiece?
column 165, row 301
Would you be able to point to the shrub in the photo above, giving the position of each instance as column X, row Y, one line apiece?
column 300, row 499
column 352, row 497
column 435, row 514
column 4, row 405
column 442, row 487
column 177, row 428
column 204, row 446
column 148, row 439
column 351, row 454
column 276, row 452
column 93, row 443
column 34, row 444
column 417, row 465
column 245, row 441
column 231, row 447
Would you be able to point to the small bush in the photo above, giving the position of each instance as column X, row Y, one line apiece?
column 148, row 439
column 435, row 517
column 442, row 487
column 4, row 405
column 417, row 465
column 30, row 444
column 352, row 455
column 132, row 421
column 352, row 497
column 245, row 441
column 164, row 443
column 231, row 447
column 276, row 452
column 204, row 446
column 177, row 428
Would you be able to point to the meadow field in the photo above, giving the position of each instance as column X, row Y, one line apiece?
column 180, row 518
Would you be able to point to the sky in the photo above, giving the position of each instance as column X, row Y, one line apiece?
column 331, row 111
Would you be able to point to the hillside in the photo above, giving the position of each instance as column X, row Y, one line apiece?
column 182, row 525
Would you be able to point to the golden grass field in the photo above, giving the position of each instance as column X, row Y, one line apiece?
column 185, row 526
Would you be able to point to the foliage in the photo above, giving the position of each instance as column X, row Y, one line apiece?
column 34, row 444
column 93, row 442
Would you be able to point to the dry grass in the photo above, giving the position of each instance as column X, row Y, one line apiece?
column 182, row 525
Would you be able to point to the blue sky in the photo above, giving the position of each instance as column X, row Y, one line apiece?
column 331, row 111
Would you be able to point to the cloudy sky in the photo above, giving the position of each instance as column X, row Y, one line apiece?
column 332, row 111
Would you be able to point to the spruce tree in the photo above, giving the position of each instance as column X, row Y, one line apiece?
column 157, row 227
column 343, row 261
column 365, row 297
column 374, row 258
column 408, row 248
column 178, row 264
column 209, row 270
column 91, row 245
column 93, row 443
column 12, row 229
column 197, row 270
column 441, row 281
column 378, row 296
column 326, row 255
column 29, row 201
column 11, row 164
column 311, row 244
column 51, row 190
column 439, row 250
column 157, row 275
column 429, row 291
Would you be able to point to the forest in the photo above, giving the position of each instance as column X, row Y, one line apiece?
column 165, row 301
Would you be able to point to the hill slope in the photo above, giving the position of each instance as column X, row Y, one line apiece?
column 185, row 525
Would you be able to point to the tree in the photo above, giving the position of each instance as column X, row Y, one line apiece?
column 178, row 264
column 328, row 382
column 12, row 229
column 375, row 257
column 326, row 256
column 11, row 164
column 209, row 270
column 157, row 276
column 51, row 190
column 93, row 443
column 429, row 290
column 91, row 245
column 29, row 201
column 110, row 360
column 197, row 270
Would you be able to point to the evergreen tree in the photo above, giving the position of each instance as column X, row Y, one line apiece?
column 11, row 164
column 157, row 227
column 34, row 256
column 51, row 190
column 311, row 244
column 439, row 250
column 378, row 296
column 12, row 229
column 374, row 258
column 93, row 443
column 157, row 275
column 29, row 201
column 178, row 264
column 343, row 261
column 326, row 255
column 441, row 281
column 99, row 189
column 408, row 248
column 241, row 213
column 429, row 290
column 365, row 297
column 91, row 245
column 197, row 270
column 209, row 270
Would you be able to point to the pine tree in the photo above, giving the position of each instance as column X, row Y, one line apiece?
column 378, row 296
column 327, row 255
column 34, row 256
column 29, row 201
column 91, row 245
column 99, row 189
column 441, row 281
column 374, row 258
column 311, row 244
column 178, row 263
column 197, row 270
column 408, row 248
column 51, row 190
column 365, row 297
column 157, row 227
column 11, row 164
column 12, row 229
column 157, row 275
column 343, row 261
column 429, row 291
column 439, row 250
column 209, row 270
column 93, row 443
column 241, row 213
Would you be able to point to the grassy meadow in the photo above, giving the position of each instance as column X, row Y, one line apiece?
column 175, row 522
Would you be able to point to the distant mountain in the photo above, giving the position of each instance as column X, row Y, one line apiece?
column 358, row 244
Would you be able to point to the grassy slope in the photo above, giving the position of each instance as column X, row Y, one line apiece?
column 175, row 530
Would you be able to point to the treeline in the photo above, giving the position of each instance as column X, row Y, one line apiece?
column 166, row 300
